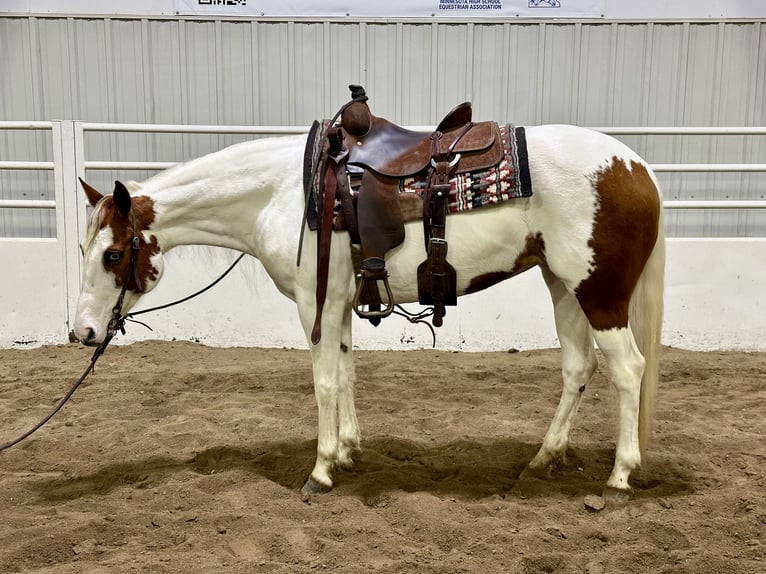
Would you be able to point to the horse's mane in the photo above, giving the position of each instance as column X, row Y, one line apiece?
column 95, row 223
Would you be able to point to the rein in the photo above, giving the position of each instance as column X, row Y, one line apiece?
column 117, row 323
column 96, row 354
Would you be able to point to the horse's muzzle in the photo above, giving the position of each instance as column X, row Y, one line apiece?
column 86, row 336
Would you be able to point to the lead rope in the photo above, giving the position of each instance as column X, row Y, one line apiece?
column 96, row 354
column 129, row 316
column 116, row 323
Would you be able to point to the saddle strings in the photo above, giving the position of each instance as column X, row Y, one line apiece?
column 417, row 319
column 96, row 354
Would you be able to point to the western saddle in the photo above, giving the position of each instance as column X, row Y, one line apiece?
column 375, row 155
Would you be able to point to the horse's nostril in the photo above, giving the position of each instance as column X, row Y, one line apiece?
column 86, row 335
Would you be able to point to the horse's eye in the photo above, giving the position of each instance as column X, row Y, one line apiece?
column 112, row 256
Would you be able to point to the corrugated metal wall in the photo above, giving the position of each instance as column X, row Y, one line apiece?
column 183, row 71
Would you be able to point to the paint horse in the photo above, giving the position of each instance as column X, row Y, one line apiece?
column 593, row 226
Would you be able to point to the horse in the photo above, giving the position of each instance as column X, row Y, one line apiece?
column 594, row 226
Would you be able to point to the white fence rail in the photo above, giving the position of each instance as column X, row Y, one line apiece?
column 74, row 135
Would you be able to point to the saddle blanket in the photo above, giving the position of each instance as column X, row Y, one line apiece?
column 508, row 180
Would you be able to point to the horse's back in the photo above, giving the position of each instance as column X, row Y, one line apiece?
column 560, row 150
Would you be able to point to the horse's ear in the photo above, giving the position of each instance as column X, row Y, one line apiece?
column 91, row 193
column 121, row 198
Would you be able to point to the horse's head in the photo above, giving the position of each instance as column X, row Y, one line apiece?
column 119, row 254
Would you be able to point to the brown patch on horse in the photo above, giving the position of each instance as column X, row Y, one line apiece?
column 532, row 255
column 624, row 234
column 122, row 232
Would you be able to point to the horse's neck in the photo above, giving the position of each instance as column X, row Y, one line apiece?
column 222, row 199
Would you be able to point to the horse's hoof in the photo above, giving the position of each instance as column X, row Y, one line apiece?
column 313, row 487
column 616, row 496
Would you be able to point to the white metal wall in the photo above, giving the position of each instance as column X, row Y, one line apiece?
column 186, row 71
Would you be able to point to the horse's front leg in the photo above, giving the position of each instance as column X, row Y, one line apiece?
column 348, row 427
column 325, row 359
column 332, row 389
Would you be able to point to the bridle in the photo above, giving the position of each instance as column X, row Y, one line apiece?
column 117, row 322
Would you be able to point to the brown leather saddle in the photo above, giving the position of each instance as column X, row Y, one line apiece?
column 365, row 158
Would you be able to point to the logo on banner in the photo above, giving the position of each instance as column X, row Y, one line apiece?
column 222, row 2
column 544, row 4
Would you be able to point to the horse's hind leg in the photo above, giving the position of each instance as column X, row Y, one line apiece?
column 578, row 363
column 626, row 367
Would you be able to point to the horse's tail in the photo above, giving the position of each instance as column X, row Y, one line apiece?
column 646, row 307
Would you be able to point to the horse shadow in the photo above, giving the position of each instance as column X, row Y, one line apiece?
column 469, row 469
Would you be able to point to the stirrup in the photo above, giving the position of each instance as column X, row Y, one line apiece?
column 378, row 273
column 370, row 314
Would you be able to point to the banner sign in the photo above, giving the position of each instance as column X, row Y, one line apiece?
column 463, row 9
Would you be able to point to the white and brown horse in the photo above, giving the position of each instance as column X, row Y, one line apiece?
column 594, row 226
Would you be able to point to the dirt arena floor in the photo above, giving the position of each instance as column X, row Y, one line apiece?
column 180, row 458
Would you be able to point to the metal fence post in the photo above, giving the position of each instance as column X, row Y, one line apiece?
column 70, row 218
column 57, row 140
